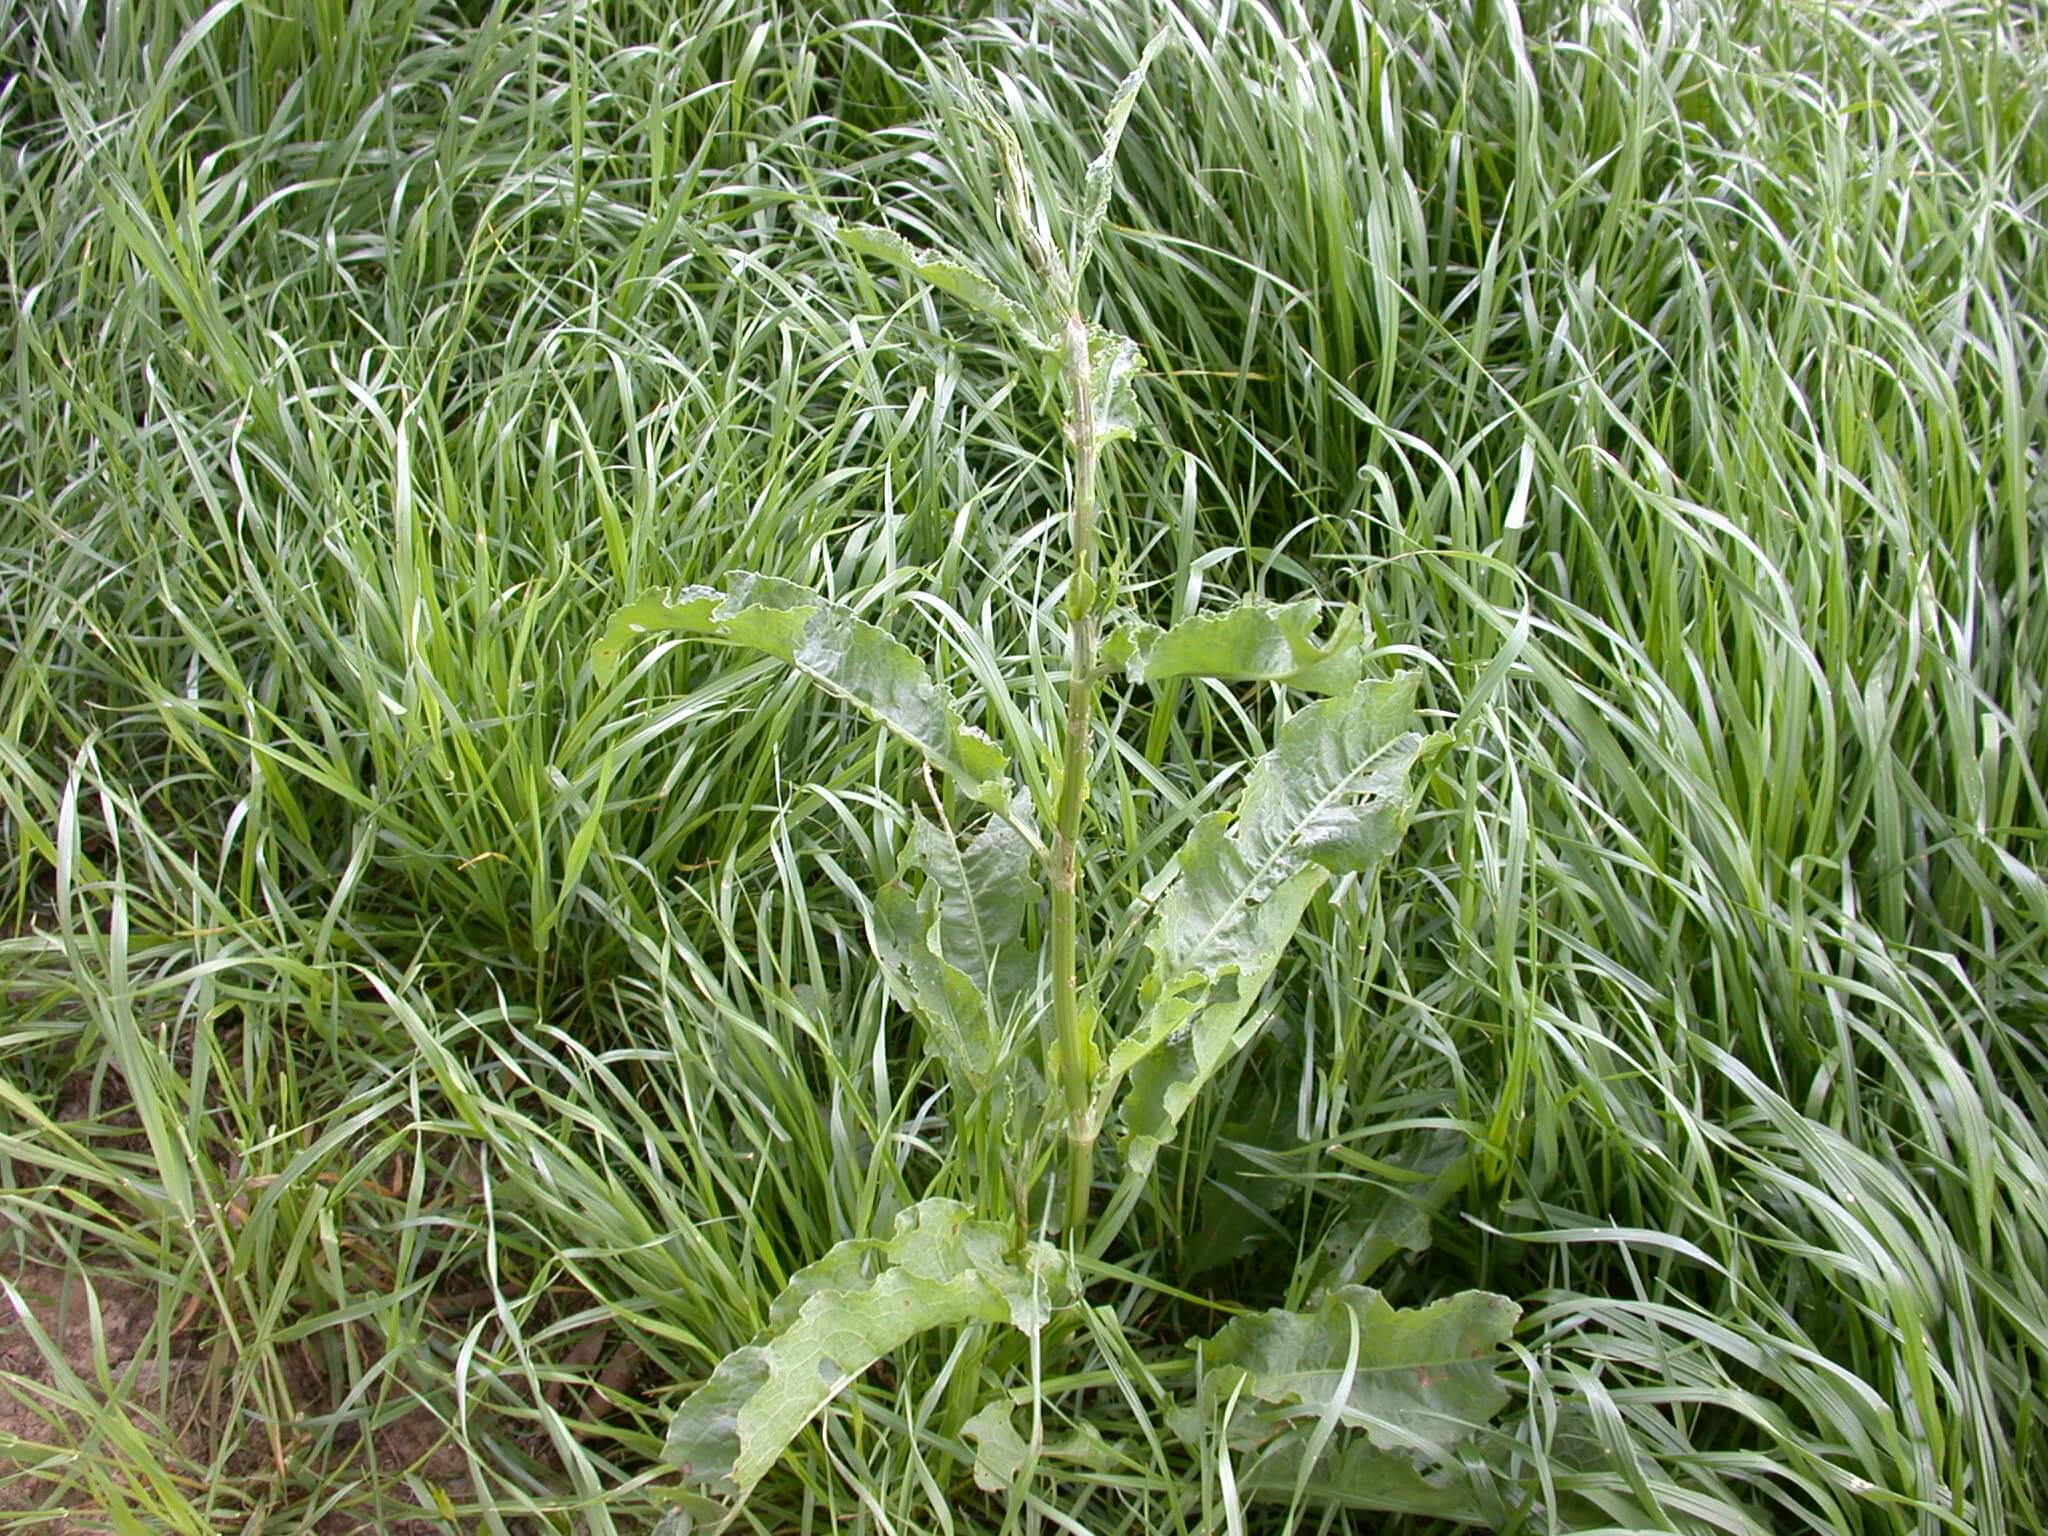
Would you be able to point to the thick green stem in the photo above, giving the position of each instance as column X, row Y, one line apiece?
column 1069, row 1026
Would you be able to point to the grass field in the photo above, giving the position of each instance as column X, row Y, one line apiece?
column 420, row 1064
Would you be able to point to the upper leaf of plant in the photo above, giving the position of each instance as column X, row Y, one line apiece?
column 843, row 654
column 986, row 891
column 939, row 1268
column 1099, row 179
column 945, row 271
column 953, row 952
column 1332, row 796
column 1114, row 363
column 1252, row 641
column 958, row 1019
column 1017, row 195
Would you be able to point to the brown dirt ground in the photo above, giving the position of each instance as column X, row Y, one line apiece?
column 33, row 1434
column 36, row 1437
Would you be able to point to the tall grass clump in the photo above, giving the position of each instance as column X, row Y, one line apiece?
column 458, row 1078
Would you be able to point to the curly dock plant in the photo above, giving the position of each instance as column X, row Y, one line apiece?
column 962, row 955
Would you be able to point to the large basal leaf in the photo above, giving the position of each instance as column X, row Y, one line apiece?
column 1332, row 796
column 940, row 1268
column 1356, row 1474
column 843, row 654
column 1253, row 642
column 1418, row 1380
column 1413, row 1386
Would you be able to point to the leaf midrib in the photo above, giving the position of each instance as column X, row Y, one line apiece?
column 1293, row 838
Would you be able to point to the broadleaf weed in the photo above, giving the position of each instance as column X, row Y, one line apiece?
column 1332, row 797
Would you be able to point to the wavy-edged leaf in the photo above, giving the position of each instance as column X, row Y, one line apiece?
column 986, row 891
column 1332, row 796
column 1415, row 1383
column 1114, row 363
column 1395, row 1212
column 1417, row 1380
column 1000, row 1452
column 1356, row 1474
column 943, row 270
column 953, row 954
column 953, row 1011
column 939, row 1268
column 1252, row 642
column 1100, row 176
column 843, row 654
column 1195, row 1023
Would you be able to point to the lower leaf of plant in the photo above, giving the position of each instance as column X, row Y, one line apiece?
column 941, row 1267
column 1359, row 1403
